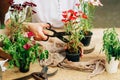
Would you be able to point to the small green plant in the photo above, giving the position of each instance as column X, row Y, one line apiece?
column 111, row 44
column 22, row 49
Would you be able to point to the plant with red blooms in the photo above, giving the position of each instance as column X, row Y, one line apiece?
column 88, row 8
column 70, row 19
column 22, row 47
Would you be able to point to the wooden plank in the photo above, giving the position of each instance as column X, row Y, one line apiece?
column 4, row 55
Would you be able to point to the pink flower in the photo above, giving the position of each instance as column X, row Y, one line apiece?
column 26, row 46
column 77, row 4
column 30, row 34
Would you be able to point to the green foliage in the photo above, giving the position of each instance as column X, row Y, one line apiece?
column 74, row 44
column 18, row 52
column 89, row 10
column 111, row 44
column 2, row 26
column 23, row 49
column 44, row 55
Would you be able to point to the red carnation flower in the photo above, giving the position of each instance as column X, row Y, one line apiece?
column 26, row 46
column 30, row 34
column 71, row 11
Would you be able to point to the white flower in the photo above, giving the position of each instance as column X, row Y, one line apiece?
column 96, row 2
column 2, row 65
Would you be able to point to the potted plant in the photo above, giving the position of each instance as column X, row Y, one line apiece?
column 74, row 46
column 111, row 47
column 20, row 44
column 88, row 8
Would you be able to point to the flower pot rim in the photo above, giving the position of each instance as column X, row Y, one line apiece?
column 79, row 51
column 90, row 33
column 75, row 57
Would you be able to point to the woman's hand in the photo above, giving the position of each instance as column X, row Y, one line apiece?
column 38, row 30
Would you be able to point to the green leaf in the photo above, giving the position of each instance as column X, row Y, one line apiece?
column 44, row 55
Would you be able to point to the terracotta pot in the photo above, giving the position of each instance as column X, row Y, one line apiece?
column 75, row 57
column 86, row 40
column 112, row 66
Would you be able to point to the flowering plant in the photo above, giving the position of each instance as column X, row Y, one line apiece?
column 70, row 19
column 20, row 13
column 88, row 7
column 20, row 44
